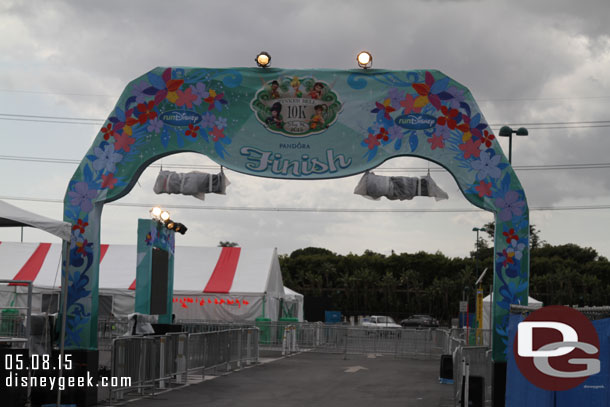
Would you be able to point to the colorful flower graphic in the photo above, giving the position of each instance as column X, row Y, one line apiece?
column 215, row 100
column 516, row 249
column 484, row 188
column 436, row 141
column 408, row 104
column 106, row 158
column 471, row 148
column 510, row 235
column 186, row 97
column 431, row 91
column 192, row 131
column 145, row 112
column 217, row 134
column 221, row 122
column 108, row 181
column 123, row 142
column 139, row 91
column 80, row 225
column 383, row 109
column 107, row 131
column 487, row 138
column 487, row 166
column 208, row 120
column 371, row 141
column 81, row 196
column 511, row 205
column 155, row 125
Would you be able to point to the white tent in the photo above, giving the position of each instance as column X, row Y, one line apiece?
column 255, row 280
column 13, row 216
column 487, row 313
column 294, row 303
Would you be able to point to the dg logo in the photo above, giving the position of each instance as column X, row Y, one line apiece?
column 557, row 348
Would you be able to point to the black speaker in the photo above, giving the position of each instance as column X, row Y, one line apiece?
column 159, row 282
column 446, row 367
column 84, row 364
column 476, row 392
column 12, row 395
column 498, row 389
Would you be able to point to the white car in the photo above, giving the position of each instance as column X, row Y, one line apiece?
column 380, row 321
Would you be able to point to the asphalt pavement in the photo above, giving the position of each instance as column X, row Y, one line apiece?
column 314, row 379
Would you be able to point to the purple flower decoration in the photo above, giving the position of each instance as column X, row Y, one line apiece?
column 199, row 91
column 155, row 125
column 221, row 123
column 458, row 97
column 208, row 120
column 443, row 131
column 138, row 92
column 106, row 158
column 82, row 196
column 396, row 96
column 487, row 166
column 510, row 206
column 395, row 133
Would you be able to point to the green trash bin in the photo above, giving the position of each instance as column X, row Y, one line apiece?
column 10, row 322
column 264, row 326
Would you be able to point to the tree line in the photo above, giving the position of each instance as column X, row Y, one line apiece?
column 402, row 284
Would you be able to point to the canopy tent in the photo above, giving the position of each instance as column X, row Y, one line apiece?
column 252, row 284
column 11, row 215
column 293, row 303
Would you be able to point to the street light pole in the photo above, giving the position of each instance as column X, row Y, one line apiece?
column 506, row 131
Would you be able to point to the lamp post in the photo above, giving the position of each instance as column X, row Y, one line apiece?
column 506, row 131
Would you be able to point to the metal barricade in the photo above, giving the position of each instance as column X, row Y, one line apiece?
column 154, row 363
column 427, row 343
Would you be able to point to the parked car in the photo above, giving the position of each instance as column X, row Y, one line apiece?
column 420, row 321
column 380, row 321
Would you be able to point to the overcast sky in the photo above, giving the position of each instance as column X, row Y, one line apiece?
column 544, row 65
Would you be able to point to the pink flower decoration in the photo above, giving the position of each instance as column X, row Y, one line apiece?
column 471, row 148
column 408, row 104
column 372, row 141
column 217, row 134
column 436, row 142
column 123, row 141
column 185, row 97
column 484, row 189
column 108, row 181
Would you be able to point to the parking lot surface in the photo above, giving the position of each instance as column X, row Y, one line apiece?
column 311, row 379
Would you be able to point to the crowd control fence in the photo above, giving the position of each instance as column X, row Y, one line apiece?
column 156, row 363
column 290, row 337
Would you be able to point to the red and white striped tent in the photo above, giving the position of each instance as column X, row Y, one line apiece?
column 210, row 283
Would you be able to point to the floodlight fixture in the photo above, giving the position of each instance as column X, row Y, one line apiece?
column 164, row 216
column 364, row 59
column 263, row 59
column 155, row 212
column 180, row 228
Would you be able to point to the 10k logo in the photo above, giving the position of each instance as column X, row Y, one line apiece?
column 557, row 348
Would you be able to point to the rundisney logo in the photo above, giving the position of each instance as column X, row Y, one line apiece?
column 180, row 117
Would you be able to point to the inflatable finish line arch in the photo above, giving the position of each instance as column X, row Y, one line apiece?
column 295, row 124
